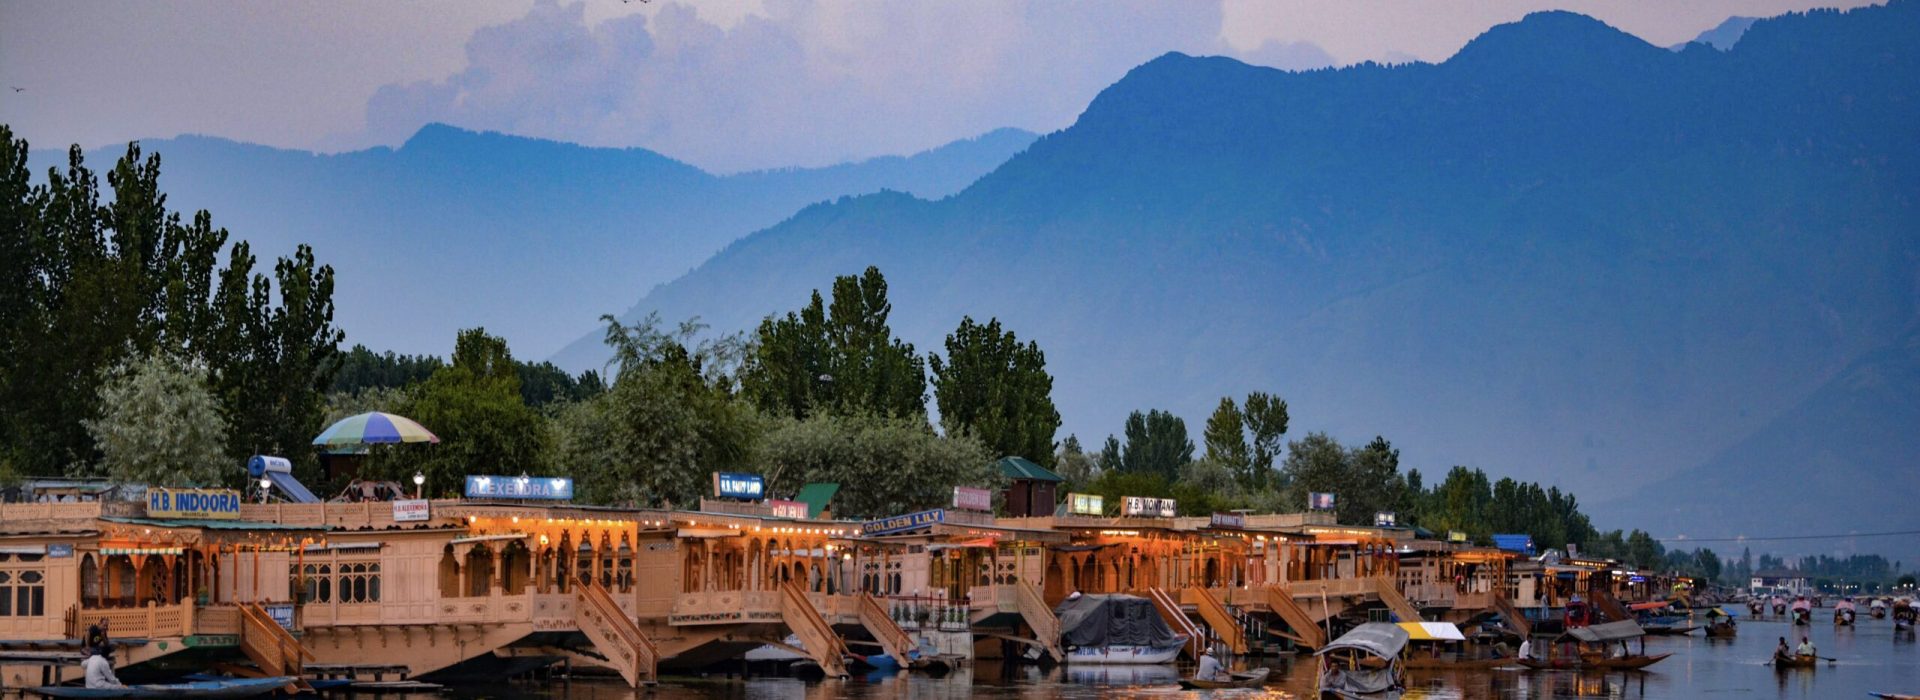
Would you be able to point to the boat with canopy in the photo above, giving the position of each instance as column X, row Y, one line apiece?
column 1441, row 645
column 1602, row 646
column 1116, row 629
column 1363, row 663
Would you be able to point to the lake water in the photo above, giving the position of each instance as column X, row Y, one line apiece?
column 1870, row 659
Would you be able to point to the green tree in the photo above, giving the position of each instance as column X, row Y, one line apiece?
column 474, row 405
column 669, row 419
column 362, row 369
column 994, row 388
column 1317, row 463
column 1075, row 464
column 1375, row 483
column 160, row 425
column 1226, row 440
column 1266, row 418
column 1157, row 443
column 888, row 465
column 1109, row 458
column 839, row 357
column 1643, row 551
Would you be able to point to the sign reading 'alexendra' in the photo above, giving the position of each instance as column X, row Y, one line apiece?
column 211, row 504
column 903, row 523
column 535, row 487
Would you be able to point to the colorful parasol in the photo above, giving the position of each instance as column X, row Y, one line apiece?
column 373, row 428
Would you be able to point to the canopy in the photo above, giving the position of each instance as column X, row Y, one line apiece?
column 1433, row 632
column 1718, row 612
column 817, row 495
column 1655, row 605
column 1608, row 632
column 372, row 428
column 1103, row 620
column 1382, row 639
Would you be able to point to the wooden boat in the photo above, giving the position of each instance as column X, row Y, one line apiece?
column 1126, row 654
column 1894, row 696
column 234, row 688
column 1615, row 663
column 1249, row 679
column 1722, row 631
column 1671, row 630
column 1797, row 661
column 1342, row 673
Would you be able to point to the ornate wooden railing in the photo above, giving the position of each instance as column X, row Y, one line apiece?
column 1176, row 618
column 626, row 647
column 1039, row 616
column 819, row 639
column 894, row 640
column 1225, row 625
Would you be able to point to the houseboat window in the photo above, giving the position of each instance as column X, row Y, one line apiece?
column 360, row 583
column 23, row 591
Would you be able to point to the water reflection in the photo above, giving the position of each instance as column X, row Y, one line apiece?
column 1870, row 658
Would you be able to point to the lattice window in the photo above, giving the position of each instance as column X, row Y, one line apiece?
column 23, row 585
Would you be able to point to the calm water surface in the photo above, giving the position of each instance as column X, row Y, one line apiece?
column 1869, row 660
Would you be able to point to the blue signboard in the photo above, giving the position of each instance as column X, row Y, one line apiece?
column 59, row 551
column 1514, row 543
column 903, row 523
column 747, row 487
column 281, row 613
column 551, row 488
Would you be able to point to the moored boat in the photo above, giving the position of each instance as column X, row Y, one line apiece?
column 1248, row 679
column 1429, row 644
column 1363, row 663
column 1594, row 647
column 231, row 688
column 1631, row 662
column 1116, row 629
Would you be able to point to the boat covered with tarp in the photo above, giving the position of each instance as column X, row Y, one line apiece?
column 1363, row 663
column 1116, row 629
column 1440, row 645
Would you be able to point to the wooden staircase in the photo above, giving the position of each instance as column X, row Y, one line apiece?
column 627, row 648
column 1512, row 615
column 894, row 640
column 1389, row 594
column 1040, row 617
column 1608, row 606
column 816, row 636
column 1225, row 625
column 1176, row 618
column 1305, row 631
column 272, row 648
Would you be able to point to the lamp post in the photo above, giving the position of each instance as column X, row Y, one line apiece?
column 419, row 483
column 266, row 485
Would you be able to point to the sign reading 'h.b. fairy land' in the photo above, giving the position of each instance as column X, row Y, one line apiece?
column 211, row 504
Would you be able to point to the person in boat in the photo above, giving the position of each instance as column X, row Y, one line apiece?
column 1805, row 648
column 1210, row 667
column 99, row 668
column 1526, row 648
column 97, row 638
column 1782, row 651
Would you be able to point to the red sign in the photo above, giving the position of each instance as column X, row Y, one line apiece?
column 796, row 510
column 969, row 498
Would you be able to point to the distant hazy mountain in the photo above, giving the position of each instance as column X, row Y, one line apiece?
column 1722, row 36
column 533, row 239
column 1563, row 254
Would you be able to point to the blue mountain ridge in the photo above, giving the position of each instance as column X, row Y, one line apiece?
column 532, row 239
column 1563, row 254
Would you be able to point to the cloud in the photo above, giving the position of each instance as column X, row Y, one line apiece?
column 801, row 82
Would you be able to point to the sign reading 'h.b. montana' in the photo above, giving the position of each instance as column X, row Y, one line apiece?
column 213, row 504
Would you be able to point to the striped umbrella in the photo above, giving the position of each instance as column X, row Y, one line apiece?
column 372, row 428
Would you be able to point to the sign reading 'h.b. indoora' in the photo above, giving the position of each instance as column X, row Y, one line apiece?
column 210, row 504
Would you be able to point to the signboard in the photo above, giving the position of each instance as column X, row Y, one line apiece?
column 1319, row 501
column 903, row 523
column 1456, row 536
column 1514, row 543
column 1385, row 518
column 969, row 498
column 796, row 510
column 204, row 504
column 281, row 613
column 531, row 487
column 412, row 510
column 1230, row 521
column 746, row 487
column 1147, row 507
column 1086, row 504
column 59, row 551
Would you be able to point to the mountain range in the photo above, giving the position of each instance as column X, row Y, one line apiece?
column 532, row 239
column 1563, row 254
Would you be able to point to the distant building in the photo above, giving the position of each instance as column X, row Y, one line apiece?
column 1782, row 581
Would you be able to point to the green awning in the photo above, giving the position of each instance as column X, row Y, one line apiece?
column 816, row 496
column 1023, row 468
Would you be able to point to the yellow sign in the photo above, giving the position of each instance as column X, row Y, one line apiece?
column 210, row 504
column 1085, row 504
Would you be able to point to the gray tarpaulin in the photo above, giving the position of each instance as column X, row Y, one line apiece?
column 1105, row 620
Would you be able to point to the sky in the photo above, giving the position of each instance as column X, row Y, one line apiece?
column 727, row 85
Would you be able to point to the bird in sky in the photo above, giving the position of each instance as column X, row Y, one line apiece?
column 17, row 89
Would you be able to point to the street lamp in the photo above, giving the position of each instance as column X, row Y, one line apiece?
column 419, row 483
column 266, row 485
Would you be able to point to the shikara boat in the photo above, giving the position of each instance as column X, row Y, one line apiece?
column 1345, row 670
column 1894, row 696
column 1249, row 679
column 1720, row 624
column 234, row 688
column 1629, row 662
column 1428, row 639
column 1796, row 661
column 1428, row 664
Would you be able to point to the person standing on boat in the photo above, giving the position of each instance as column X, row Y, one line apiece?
column 99, row 669
column 1210, row 667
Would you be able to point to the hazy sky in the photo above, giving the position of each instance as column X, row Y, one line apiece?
column 725, row 84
